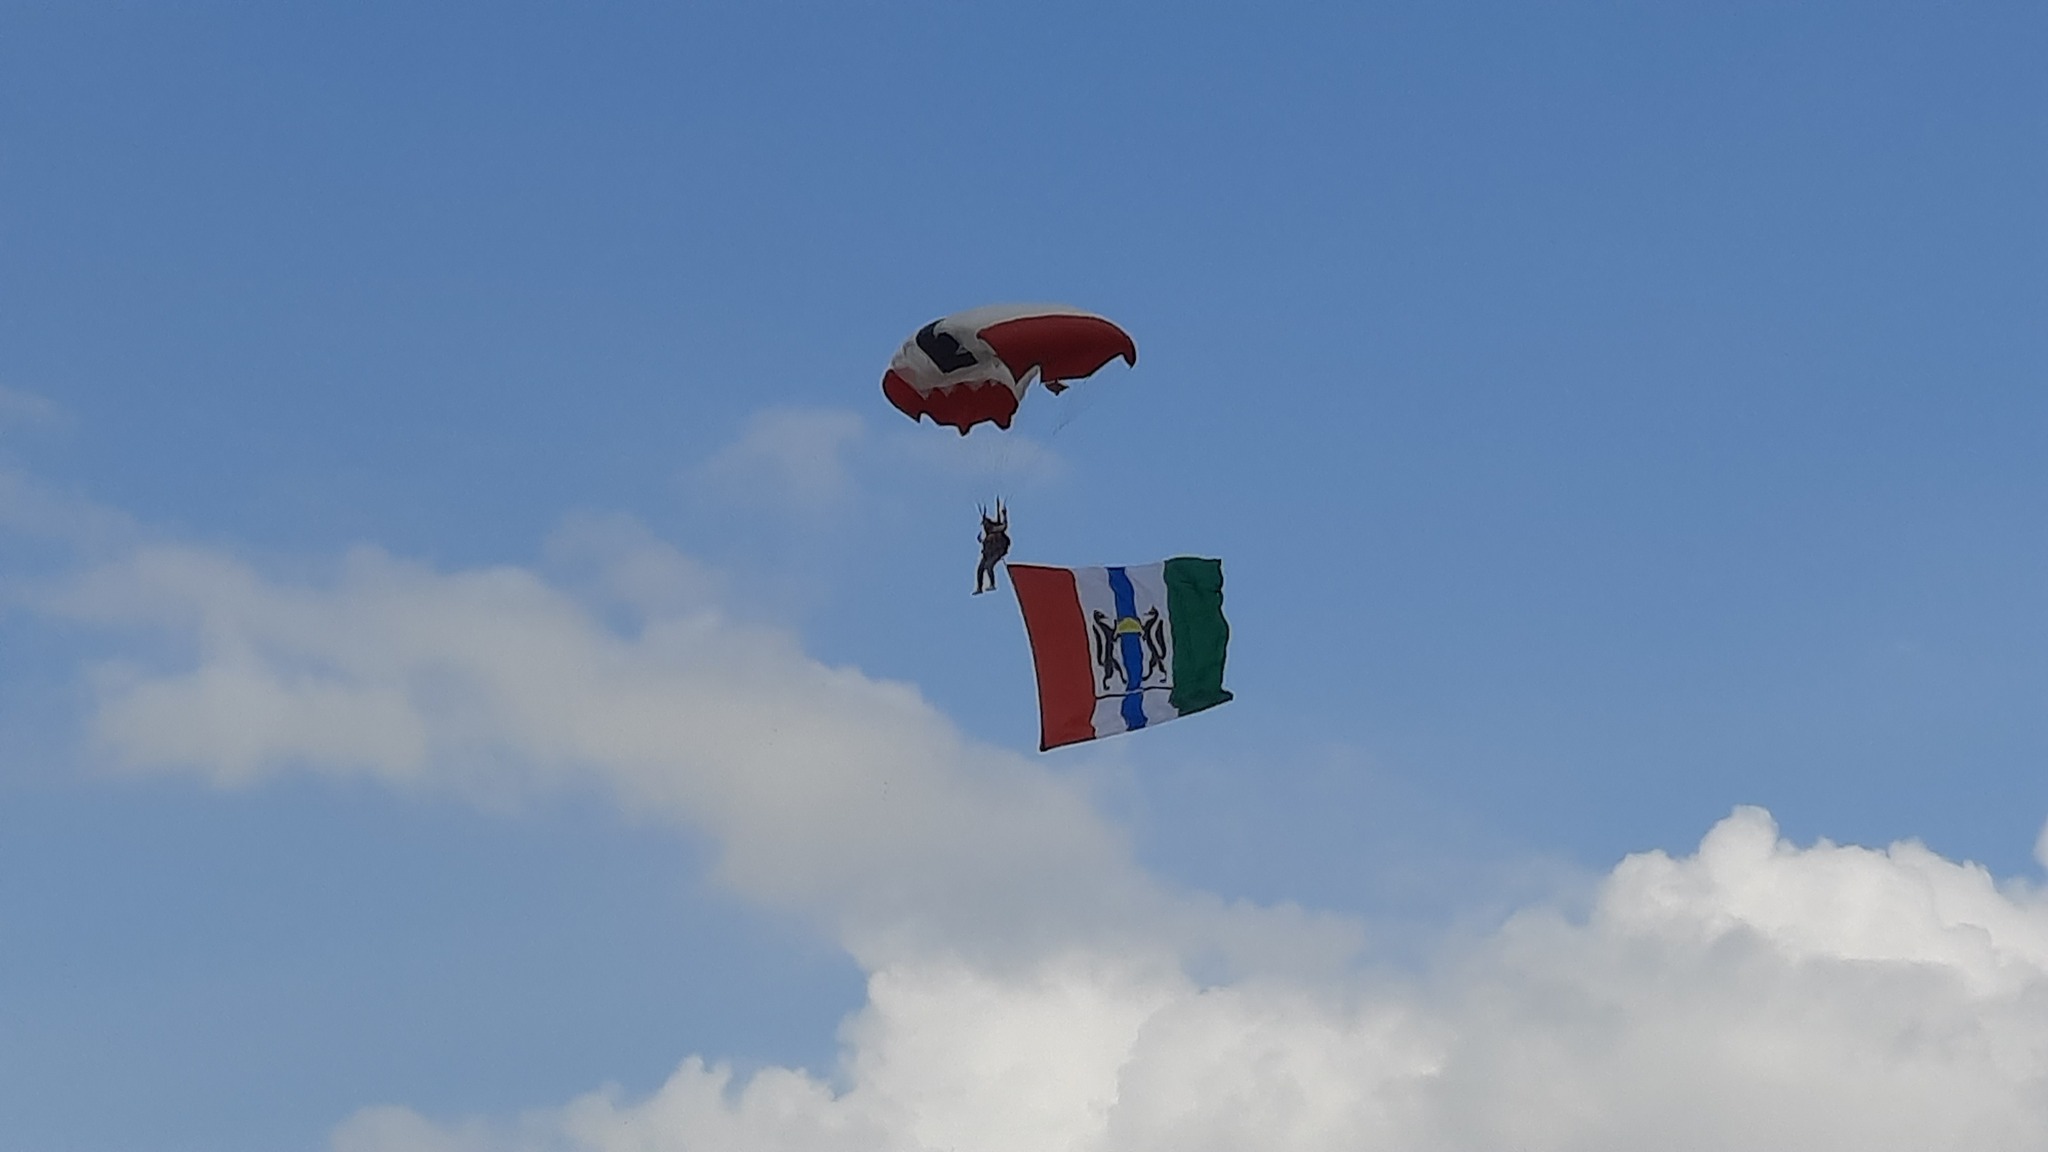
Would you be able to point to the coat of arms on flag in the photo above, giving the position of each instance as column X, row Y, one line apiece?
column 1118, row 649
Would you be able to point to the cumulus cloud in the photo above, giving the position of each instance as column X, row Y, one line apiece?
column 1029, row 986
column 1752, row 995
column 615, row 558
column 822, row 790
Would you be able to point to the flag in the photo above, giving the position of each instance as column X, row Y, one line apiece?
column 1119, row 649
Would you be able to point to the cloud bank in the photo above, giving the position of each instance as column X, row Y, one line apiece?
column 1753, row 995
column 1029, row 986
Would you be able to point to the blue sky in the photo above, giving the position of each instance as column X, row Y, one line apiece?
column 1608, row 415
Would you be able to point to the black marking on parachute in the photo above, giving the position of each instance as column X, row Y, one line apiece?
column 945, row 351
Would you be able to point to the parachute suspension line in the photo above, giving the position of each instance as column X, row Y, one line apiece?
column 1004, row 468
column 1071, row 412
column 999, row 466
column 1074, row 407
column 1008, row 344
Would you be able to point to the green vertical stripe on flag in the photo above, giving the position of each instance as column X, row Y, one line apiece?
column 1194, row 606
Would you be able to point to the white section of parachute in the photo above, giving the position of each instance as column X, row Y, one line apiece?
column 917, row 369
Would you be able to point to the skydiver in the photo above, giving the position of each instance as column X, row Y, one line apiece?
column 995, row 544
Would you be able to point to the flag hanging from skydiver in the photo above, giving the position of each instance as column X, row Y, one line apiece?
column 1118, row 649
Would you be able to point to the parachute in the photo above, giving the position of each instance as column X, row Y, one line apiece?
column 972, row 367
column 1115, row 649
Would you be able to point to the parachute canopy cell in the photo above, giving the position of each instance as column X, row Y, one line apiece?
column 972, row 367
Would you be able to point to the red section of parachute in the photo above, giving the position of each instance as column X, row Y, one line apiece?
column 1060, row 347
column 1058, row 344
column 961, row 405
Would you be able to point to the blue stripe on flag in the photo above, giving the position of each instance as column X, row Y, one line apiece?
column 1133, row 649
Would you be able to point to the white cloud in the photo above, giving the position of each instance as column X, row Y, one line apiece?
column 1754, row 995
column 823, row 790
column 793, row 457
column 1029, row 986
column 1747, row 997
column 614, row 557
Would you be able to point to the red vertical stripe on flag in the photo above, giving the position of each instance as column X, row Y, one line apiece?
column 1059, row 651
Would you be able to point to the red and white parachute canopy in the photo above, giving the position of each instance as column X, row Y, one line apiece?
column 972, row 367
